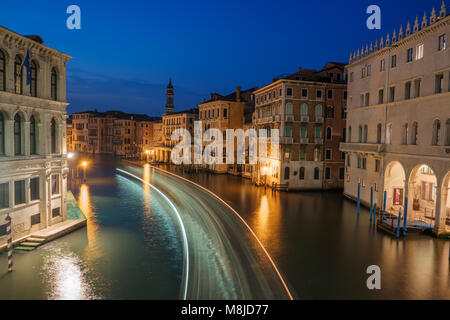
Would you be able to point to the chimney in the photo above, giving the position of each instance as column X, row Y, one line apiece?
column 212, row 96
column 299, row 69
column 204, row 100
column 238, row 94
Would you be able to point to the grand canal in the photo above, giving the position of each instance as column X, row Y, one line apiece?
column 132, row 249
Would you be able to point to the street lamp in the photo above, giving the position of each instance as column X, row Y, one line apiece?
column 84, row 165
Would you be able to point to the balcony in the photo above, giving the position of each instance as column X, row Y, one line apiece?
column 362, row 147
column 289, row 118
column 286, row 140
column 304, row 119
column 318, row 141
column 319, row 120
column 304, row 140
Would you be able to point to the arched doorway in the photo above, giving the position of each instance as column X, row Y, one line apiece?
column 445, row 201
column 422, row 188
column 394, row 185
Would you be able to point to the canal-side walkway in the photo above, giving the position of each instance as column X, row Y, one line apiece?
column 75, row 220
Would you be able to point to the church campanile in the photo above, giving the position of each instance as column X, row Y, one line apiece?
column 169, row 98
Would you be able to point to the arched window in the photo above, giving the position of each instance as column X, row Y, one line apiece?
column 33, row 140
column 18, row 84
column 54, row 84
column 17, row 135
column 379, row 128
column 329, row 133
column 360, row 134
column 304, row 109
column 405, row 134
column 414, row 134
column 447, row 131
column 318, row 111
column 2, row 134
column 33, row 83
column 316, row 173
column 289, row 110
column 2, row 71
column 365, row 133
column 302, row 173
column 389, row 133
column 287, row 172
column 53, row 136
column 436, row 133
column 349, row 134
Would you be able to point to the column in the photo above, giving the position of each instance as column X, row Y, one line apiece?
column 27, row 137
column 9, row 138
column 439, row 225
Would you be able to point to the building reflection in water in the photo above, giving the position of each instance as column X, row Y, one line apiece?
column 146, row 187
column 93, row 250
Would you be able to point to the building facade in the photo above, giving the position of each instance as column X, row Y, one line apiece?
column 226, row 112
column 33, row 155
column 398, row 138
column 308, row 109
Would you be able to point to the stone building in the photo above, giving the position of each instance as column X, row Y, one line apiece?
column 308, row 109
column 226, row 112
column 398, row 122
column 33, row 157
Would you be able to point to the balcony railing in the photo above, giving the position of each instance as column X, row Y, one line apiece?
column 318, row 140
column 304, row 140
column 286, row 140
column 304, row 119
column 319, row 120
column 362, row 147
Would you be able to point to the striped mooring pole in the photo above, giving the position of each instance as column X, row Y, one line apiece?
column 9, row 240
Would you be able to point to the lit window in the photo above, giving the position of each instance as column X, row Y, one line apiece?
column 419, row 52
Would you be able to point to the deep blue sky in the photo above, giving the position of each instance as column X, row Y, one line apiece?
column 127, row 50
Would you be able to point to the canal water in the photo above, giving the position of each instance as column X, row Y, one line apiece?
column 324, row 249
column 130, row 249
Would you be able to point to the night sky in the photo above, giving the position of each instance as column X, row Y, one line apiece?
column 126, row 51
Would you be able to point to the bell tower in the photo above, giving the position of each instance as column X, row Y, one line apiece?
column 169, row 98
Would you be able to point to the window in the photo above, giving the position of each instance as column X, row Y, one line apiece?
column 369, row 70
column 19, row 192
column 351, row 76
column 447, row 131
column 343, row 113
column 304, row 93
column 382, row 65
column 345, row 95
column 302, row 153
column 330, row 112
column 56, row 212
column 363, row 73
column 436, row 133
column 349, row 161
column 33, row 79
column 328, row 154
column 367, row 99
column 377, row 165
column 53, row 136
column 54, row 84
column 414, row 133
column 361, row 100
column 35, row 219
column 2, row 71
column 319, row 94
column 327, row 173
column 303, row 132
column 419, row 52
column 409, row 55
column 379, row 128
column 18, row 85
column 287, row 172
column 341, row 173
column 329, row 134
column 380, row 96
column 2, row 134
column 225, row 113
column 391, row 94
column 2, row 230
column 407, row 90
column 318, row 132
column 302, row 173
column 34, row 189
column 304, row 110
column 344, row 135
column 439, row 83
column 349, row 134
column 288, row 131
column 442, row 42
column 405, row 134
column 330, row 94
column 289, row 92
column 287, row 153
column 316, row 173
column 417, row 83
column 17, row 135
column 365, row 134
column 394, row 61
column 33, row 135
column 55, row 184
column 289, row 109
column 4, row 195
column 318, row 111
column 317, row 154
column 360, row 134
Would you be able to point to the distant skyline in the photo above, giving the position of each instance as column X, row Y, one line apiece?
column 126, row 52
